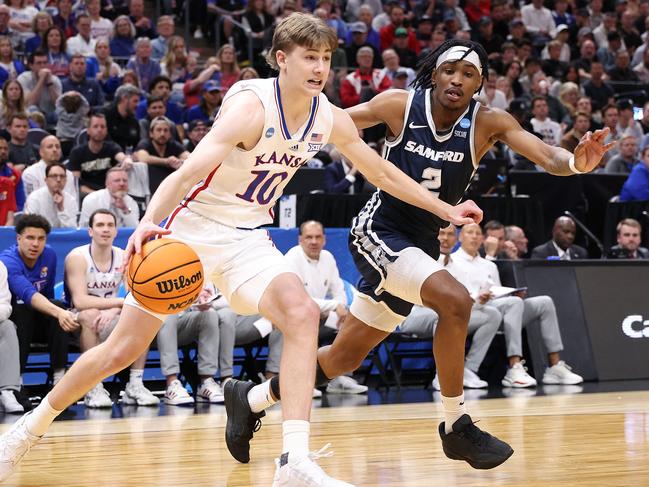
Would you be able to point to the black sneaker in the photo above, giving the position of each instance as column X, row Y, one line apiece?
column 242, row 422
column 23, row 399
column 469, row 443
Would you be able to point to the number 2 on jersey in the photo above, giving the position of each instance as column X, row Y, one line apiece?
column 432, row 179
column 261, row 182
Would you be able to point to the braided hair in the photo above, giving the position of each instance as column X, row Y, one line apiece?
column 427, row 64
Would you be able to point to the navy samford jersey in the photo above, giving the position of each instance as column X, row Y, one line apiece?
column 443, row 164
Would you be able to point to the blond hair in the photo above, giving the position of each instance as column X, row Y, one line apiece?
column 303, row 30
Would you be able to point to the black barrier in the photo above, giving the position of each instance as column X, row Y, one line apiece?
column 603, row 311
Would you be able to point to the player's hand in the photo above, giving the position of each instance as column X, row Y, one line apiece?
column 485, row 297
column 67, row 320
column 491, row 245
column 104, row 318
column 143, row 232
column 511, row 250
column 342, row 312
column 465, row 213
column 590, row 150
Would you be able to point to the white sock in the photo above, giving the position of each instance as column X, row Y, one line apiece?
column 41, row 418
column 295, row 433
column 260, row 398
column 57, row 375
column 136, row 375
column 453, row 409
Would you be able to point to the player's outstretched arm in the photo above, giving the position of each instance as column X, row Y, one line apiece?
column 239, row 122
column 555, row 160
column 389, row 178
column 387, row 107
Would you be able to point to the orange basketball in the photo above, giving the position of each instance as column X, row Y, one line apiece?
column 166, row 277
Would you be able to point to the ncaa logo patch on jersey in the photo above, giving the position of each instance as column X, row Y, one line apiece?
column 43, row 272
column 465, row 123
column 269, row 132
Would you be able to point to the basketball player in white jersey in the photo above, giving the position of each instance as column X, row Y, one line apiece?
column 93, row 275
column 215, row 202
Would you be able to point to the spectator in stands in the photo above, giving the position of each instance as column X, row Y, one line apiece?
column 491, row 95
column 40, row 24
column 549, row 129
column 65, row 18
column 318, row 270
column 159, row 45
column 54, row 47
column 561, row 247
column 12, row 399
column 12, row 193
column 261, row 24
column 91, row 161
column 93, row 276
column 517, row 313
column 642, row 69
column 209, row 104
column 552, row 64
column 31, row 266
column 628, row 31
column 100, row 27
column 341, row 177
column 192, row 89
column 516, row 235
column 627, row 157
column 407, row 57
column 391, row 61
column 57, row 206
column 162, row 154
column 358, row 39
column 388, row 32
column 608, row 26
column 144, row 67
column 636, row 187
column 174, row 62
column 365, row 82
column 538, row 21
column 582, row 125
column 197, row 130
column 607, row 55
column 622, row 71
column 122, row 40
column 83, row 43
column 34, row 175
column 21, row 151
column 491, row 41
column 21, row 16
column 143, row 24
column 113, row 197
column 104, row 69
column 201, row 324
column 77, row 81
column 495, row 244
column 5, row 30
column 161, row 86
column 587, row 56
column 71, row 111
column 540, row 87
column 229, row 69
column 10, row 67
column 599, row 91
column 365, row 17
column 41, row 86
column 120, row 117
column 626, row 123
column 629, row 238
column 484, row 320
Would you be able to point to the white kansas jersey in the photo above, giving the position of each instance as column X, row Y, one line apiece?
column 242, row 190
column 102, row 284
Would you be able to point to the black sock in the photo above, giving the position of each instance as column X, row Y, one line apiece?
column 321, row 379
column 274, row 387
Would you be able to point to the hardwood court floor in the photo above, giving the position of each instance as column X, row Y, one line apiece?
column 562, row 440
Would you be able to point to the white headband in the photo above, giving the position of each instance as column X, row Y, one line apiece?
column 457, row 53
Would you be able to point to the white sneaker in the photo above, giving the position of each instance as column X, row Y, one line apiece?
column 561, row 373
column 177, row 394
column 345, row 385
column 304, row 472
column 14, row 444
column 210, row 391
column 136, row 393
column 517, row 376
column 472, row 381
column 436, row 385
column 316, row 393
column 97, row 397
column 9, row 404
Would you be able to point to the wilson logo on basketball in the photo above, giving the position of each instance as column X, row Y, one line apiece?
column 181, row 282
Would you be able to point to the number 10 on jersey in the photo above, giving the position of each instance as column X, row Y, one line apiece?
column 262, row 188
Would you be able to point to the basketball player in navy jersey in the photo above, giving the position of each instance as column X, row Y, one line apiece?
column 437, row 134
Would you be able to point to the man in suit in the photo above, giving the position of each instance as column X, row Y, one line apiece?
column 341, row 177
column 561, row 246
column 629, row 237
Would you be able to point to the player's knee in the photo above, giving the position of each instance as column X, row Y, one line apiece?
column 304, row 316
column 120, row 357
column 87, row 317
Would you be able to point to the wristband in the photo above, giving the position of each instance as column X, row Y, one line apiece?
column 571, row 165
